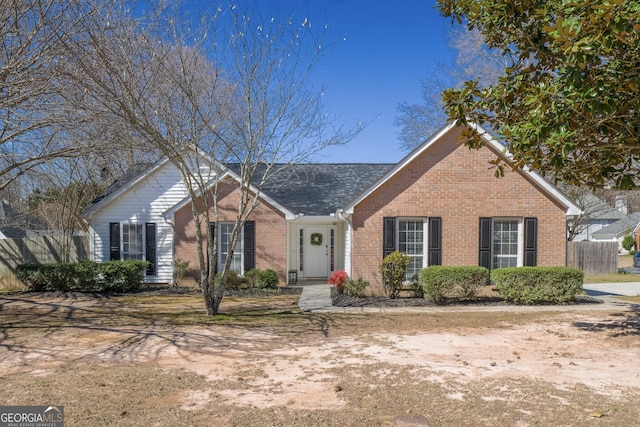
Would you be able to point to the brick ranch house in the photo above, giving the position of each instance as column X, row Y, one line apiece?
column 440, row 205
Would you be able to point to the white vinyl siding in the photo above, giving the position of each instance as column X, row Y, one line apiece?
column 145, row 202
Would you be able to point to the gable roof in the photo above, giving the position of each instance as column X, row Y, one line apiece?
column 309, row 189
column 119, row 186
column 546, row 187
column 593, row 207
column 599, row 209
column 618, row 228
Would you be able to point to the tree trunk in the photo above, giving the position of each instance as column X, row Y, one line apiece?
column 217, row 299
column 207, row 294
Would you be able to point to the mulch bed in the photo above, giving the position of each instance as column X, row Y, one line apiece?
column 342, row 300
column 163, row 290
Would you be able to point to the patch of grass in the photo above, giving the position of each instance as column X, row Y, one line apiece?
column 635, row 299
column 611, row 278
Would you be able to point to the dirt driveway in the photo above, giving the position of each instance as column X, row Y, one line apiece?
column 157, row 360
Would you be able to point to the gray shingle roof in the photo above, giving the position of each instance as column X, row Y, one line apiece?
column 14, row 223
column 322, row 188
column 617, row 228
column 133, row 173
column 309, row 189
column 597, row 208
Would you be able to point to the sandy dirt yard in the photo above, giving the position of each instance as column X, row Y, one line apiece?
column 159, row 361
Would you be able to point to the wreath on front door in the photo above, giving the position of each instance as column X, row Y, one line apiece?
column 316, row 239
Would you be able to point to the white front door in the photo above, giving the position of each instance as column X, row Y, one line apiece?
column 316, row 251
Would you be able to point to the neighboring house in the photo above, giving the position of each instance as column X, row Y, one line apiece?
column 628, row 225
column 15, row 224
column 441, row 205
column 597, row 214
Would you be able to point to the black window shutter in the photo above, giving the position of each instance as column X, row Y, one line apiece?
column 388, row 236
column 484, row 250
column 150, row 248
column 249, row 245
column 530, row 242
column 114, row 241
column 435, row 241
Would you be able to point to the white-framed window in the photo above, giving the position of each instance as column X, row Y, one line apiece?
column 225, row 230
column 505, row 244
column 132, row 244
column 411, row 241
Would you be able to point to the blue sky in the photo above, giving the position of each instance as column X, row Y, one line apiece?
column 389, row 47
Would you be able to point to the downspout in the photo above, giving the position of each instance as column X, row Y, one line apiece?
column 347, row 240
column 171, row 221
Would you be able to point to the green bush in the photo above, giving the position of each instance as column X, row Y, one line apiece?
column 267, row 279
column 121, row 276
column 394, row 272
column 233, row 281
column 355, row 288
column 628, row 242
column 86, row 273
column 461, row 283
column 33, row 276
column 538, row 285
column 112, row 276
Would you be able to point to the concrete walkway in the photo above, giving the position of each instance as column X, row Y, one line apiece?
column 317, row 298
column 631, row 289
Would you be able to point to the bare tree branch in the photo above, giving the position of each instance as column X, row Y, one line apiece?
column 230, row 88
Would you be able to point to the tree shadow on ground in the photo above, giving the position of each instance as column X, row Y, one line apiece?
column 105, row 329
column 623, row 323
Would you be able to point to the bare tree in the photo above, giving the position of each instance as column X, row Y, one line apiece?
column 230, row 88
column 61, row 188
column 34, row 117
column 473, row 61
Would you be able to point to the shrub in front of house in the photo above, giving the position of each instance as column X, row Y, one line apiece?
column 112, row 276
column 355, row 288
column 339, row 278
column 121, row 276
column 452, row 282
column 538, row 285
column 233, row 281
column 267, row 279
column 34, row 276
column 394, row 272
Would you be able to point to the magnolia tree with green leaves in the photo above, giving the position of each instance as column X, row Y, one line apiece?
column 568, row 102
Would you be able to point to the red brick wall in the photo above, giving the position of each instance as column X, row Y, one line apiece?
column 453, row 182
column 271, row 232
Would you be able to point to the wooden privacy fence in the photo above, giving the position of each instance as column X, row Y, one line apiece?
column 593, row 257
column 40, row 250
